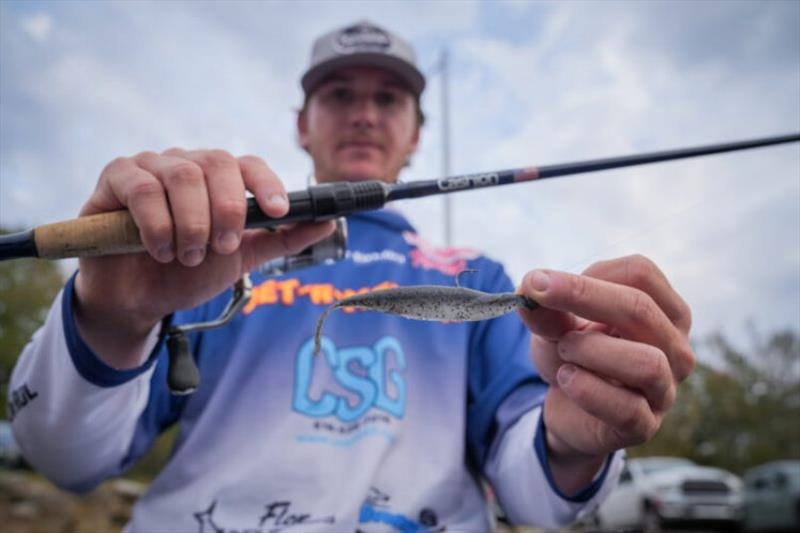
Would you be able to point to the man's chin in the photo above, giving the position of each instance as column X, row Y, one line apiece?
column 360, row 173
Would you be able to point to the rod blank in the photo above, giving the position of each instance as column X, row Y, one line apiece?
column 116, row 232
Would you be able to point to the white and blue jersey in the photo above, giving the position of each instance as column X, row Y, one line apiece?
column 391, row 428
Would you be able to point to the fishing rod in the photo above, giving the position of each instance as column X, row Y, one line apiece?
column 116, row 232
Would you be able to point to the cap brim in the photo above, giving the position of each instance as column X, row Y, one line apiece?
column 407, row 72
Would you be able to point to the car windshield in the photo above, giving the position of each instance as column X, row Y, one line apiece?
column 657, row 464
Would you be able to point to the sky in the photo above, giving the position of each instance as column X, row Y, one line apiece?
column 531, row 83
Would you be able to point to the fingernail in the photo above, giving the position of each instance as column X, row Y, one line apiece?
column 165, row 254
column 227, row 242
column 540, row 280
column 564, row 374
column 278, row 201
column 194, row 256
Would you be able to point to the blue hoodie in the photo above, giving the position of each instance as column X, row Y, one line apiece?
column 398, row 425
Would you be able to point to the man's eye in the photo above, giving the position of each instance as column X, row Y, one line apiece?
column 385, row 99
column 342, row 95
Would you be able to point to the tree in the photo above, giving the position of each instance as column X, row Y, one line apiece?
column 27, row 289
column 742, row 414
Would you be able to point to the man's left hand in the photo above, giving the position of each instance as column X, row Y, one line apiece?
column 613, row 343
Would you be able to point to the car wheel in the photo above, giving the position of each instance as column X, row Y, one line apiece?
column 796, row 513
column 651, row 522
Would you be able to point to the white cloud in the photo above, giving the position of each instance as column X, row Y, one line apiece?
column 38, row 26
column 560, row 82
column 550, row 101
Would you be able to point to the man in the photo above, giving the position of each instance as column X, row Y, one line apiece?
column 393, row 425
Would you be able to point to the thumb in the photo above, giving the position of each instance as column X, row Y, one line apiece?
column 259, row 246
column 550, row 324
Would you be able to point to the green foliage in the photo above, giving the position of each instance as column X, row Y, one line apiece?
column 743, row 414
column 27, row 289
column 148, row 467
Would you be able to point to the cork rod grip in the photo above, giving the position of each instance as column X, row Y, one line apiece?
column 103, row 234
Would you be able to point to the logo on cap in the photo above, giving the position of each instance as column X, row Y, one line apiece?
column 362, row 38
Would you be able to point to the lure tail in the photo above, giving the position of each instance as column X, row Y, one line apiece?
column 318, row 330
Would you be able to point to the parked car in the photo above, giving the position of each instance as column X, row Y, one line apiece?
column 10, row 454
column 658, row 492
column 772, row 497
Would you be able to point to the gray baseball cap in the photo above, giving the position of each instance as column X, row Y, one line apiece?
column 362, row 44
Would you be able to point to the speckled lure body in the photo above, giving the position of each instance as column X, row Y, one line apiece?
column 432, row 302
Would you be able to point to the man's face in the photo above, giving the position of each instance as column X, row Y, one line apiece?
column 360, row 124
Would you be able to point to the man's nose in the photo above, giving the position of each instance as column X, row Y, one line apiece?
column 365, row 112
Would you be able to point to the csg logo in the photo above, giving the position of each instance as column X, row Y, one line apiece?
column 369, row 386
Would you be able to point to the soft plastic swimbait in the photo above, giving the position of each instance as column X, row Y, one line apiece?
column 432, row 302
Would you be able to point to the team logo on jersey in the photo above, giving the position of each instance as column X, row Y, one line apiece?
column 282, row 515
column 367, row 392
column 376, row 510
column 362, row 371
column 290, row 291
column 367, row 258
column 277, row 517
column 19, row 398
column 449, row 261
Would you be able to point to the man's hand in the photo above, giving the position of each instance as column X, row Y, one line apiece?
column 613, row 344
column 190, row 209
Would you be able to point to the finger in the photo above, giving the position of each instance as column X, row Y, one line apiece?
column 226, row 194
column 640, row 272
column 545, row 357
column 630, row 311
column 185, row 184
column 635, row 365
column 176, row 152
column 265, row 186
column 103, row 198
column 259, row 245
column 124, row 184
column 626, row 413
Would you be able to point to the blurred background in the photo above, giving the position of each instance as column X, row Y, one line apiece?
column 529, row 83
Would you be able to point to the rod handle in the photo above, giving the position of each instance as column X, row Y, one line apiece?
column 109, row 233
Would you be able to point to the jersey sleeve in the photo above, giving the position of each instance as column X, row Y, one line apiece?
column 505, row 432
column 77, row 420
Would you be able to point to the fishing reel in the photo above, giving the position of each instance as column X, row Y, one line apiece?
column 332, row 248
column 183, row 376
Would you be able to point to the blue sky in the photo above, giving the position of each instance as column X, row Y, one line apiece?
column 532, row 83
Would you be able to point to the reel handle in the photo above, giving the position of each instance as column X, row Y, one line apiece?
column 183, row 376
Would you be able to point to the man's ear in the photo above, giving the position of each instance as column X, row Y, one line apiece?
column 302, row 129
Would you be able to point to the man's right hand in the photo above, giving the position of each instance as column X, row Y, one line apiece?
column 190, row 208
